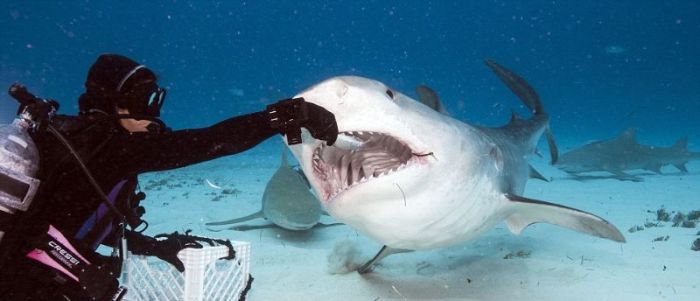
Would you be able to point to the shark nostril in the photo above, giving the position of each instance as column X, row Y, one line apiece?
column 341, row 90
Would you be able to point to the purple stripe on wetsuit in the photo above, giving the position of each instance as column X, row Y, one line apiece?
column 98, row 215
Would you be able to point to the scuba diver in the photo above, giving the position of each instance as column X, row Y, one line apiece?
column 88, row 167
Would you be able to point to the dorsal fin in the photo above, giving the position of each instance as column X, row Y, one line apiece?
column 534, row 174
column 681, row 144
column 430, row 98
column 628, row 135
column 514, row 117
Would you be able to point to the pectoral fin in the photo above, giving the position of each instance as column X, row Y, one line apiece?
column 654, row 168
column 258, row 214
column 681, row 167
column 529, row 211
column 384, row 252
column 623, row 176
column 534, row 174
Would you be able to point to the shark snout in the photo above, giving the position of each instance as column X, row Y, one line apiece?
column 326, row 93
column 335, row 87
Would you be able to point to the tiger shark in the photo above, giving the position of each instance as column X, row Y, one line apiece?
column 287, row 203
column 419, row 179
column 624, row 153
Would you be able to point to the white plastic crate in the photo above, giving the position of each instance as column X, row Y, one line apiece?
column 206, row 277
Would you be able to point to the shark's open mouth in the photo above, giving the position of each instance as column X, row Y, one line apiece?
column 339, row 169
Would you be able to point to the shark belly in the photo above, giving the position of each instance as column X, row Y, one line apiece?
column 462, row 202
column 449, row 216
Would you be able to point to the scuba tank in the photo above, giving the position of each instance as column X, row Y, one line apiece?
column 19, row 161
column 19, row 165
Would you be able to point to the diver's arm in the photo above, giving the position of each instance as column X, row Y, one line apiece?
column 144, row 152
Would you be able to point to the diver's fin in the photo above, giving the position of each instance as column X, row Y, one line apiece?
column 529, row 211
column 534, row 174
column 384, row 252
column 255, row 215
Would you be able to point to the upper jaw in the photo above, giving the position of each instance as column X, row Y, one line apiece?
column 336, row 170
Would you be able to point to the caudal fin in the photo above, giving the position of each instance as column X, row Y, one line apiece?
column 518, row 85
column 529, row 211
column 681, row 144
column 528, row 96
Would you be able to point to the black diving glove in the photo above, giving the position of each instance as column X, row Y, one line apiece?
column 290, row 115
column 163, row 246
column 37, row 109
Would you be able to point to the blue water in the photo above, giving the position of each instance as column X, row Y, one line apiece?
column 599, row 68
column 223, row 58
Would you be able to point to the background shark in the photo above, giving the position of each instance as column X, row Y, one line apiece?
column 624, row 153
column 423, row 180
column 287, row 203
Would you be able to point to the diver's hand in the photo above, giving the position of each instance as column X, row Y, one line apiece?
column 37, row 109
column 163, row 246
column 321, row 123
column 290, row 115
column 168, row 245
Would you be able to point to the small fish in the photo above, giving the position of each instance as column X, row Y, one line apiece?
column 212, row 185
column 615, row 49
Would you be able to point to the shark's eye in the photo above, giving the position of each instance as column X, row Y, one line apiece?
column 391, row 94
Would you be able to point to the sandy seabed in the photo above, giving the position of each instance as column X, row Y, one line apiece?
column 544, row 263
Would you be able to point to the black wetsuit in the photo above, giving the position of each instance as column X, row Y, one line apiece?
column 67, row 200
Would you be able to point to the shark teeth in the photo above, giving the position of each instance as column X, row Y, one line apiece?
column 377, row 155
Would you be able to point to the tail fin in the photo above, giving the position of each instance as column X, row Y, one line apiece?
column 681, row 144
column 519, row 86
column 528, row 96
column 553, row 149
